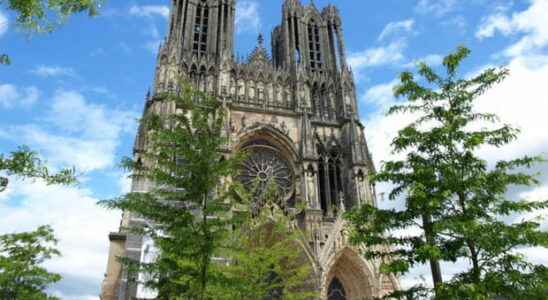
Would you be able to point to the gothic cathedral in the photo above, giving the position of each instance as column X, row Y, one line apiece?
column 297, row 108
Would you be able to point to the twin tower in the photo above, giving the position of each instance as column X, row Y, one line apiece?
column 294, row 110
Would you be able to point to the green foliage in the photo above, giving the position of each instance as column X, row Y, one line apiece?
column 4, row 59
column 188, row 209
column 265, row 256
column 46, row 15
column 25, row 163
column 454, row 202
column 43, row 16
column 21, row 256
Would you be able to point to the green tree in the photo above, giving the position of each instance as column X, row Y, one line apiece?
column 38, row 16
column 265, row 256
column 188, row 209
column 25, row 163
column 455, row 200
column 21, row 256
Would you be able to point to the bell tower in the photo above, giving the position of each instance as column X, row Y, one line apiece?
column 201, row 27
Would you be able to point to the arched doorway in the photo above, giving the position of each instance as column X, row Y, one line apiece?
column 349, row 277
column 336, row 290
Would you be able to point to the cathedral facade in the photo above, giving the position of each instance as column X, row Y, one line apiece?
column 295, row 112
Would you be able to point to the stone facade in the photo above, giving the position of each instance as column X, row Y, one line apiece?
column 298, row 104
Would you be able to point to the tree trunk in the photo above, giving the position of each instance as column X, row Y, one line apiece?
column 434, row 263
column 471, row 246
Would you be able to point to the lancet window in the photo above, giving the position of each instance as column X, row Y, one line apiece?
column 321, row 107
column 334, row 43
column 330, row 180
column 314, row 46
column 199, row 46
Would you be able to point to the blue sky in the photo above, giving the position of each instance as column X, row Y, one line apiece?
column 74, row 96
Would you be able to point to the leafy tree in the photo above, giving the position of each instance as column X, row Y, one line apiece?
column 264, row 261
column 21, row 256
column 454, row 200
column 25, row 163
column 38, row 16
column 188, row 209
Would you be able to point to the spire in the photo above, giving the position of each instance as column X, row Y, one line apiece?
column 259, row 54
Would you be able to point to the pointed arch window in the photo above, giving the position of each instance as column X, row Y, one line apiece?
column 330, row 180
column 334, row 44
column 321, row 102
column 199, row 45
column 314, row 46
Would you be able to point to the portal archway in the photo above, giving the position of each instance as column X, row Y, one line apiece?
column 349, row 278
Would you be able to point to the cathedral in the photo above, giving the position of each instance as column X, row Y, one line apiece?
column 294, row 109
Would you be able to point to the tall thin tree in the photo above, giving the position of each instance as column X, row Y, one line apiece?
column 456, row 202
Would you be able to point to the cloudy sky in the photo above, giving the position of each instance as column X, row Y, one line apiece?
column 74, row 96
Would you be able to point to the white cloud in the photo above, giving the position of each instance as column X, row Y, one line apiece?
column 53, row 71
column 155, row 39
column 431, row 60
column 149, row 11
column 381, row 95
column 438, row 8
column 3, row 23
column 378, row 56
column 247, row 17
column 393, row 40
column 77, row 133
column 532, row 23
column 394, row 28
column 459, row 22
column 11, row 96
column 80, row 225
column 153, row 46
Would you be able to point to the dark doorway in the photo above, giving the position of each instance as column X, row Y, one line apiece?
column 336, row 290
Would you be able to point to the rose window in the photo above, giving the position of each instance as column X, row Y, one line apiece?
column 262, row 165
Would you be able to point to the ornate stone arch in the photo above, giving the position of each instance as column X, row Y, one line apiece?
column 356, row 275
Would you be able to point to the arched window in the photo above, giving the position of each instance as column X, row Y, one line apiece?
column 202, row 82
column 330, row 180
column 334, row 43
column 322, row 182
column 199, row 46
column 315, row 98
column 336, row 290
column 324, row 102
column 297, row 55
column 314, row 46
column 194, row 75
